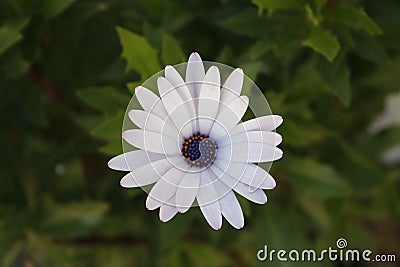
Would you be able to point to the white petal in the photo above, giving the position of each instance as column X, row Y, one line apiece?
column 176, row 80
column 209, row 99
column 207, row 199
column 166, row 187
column 194, row 74
column 148, row 174
column 152, row 141
column 132, row 160
column 177, row 109
column 232, row 86
column 187, row 191
column 167, row 212
column 250, row 152
column 251, row 193
column 265, row 137
column 148, row 121
column 173, row 76
column 228, row 116
column 247, row 173
column 230, row 206
column 265, row 123
column 153, row 203
column 232, row 211
column 150, row 102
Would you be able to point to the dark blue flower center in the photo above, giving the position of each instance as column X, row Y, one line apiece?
column 199, row 150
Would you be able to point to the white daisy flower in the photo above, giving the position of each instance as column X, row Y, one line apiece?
column 193, row 148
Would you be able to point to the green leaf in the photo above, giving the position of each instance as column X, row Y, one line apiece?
column 53, row 8
column 112, row 148
column 354, row 18
column 340, row 83
column 300, row 133
column 107, row 99
column 317, row 210
column 73, row 219
column 198, row 252
column 274, row 5
column 323, row 42
column 315, row 20
column 365, row 23
column 139, row 54
column 369, row 48
column 337, row 76
column 171, row 51
column 313, row 178
column 15, row 65
column 111, row 128
column 246, row 23
column 10, row 33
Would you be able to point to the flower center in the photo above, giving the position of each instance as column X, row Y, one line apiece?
column 199, row 150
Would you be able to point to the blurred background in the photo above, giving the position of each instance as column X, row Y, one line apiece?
column 67, row 70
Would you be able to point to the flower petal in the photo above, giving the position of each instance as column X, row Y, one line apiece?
column 265, row 123
column 152, row 141
column 228, row 116
column 176, row 80
column 167, row 211
column 150, row 101
column 209, row 99
column 194, row 74
column 264, row 137
column 232, row 87
column 187, row 191
column 247, row 173
column 230, row 206
column 132, row 160
column 177, row 109
column 148, row 121
column 251, row 193
column 249, row 152
column 166, row 187
column 207, row 199
column 147, row 174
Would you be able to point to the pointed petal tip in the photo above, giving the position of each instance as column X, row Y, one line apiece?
column 216, row 227
column 124, row 135
column 278, row 139
column 168, row 68
column 213, row 69
column 245, row 98
column 110, row 164
column 164, row 220
column 160, row 79
column 239, row 70
column 194, row 57
column 151, row 203
column 125, row 183
column 239, row 226
column 183, row 209
column 278, row 120
column 264, row 201
column 213, row 75
column 279, row 153
column 138, row 89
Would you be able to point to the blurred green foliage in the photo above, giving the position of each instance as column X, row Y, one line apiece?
column 326, row 66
